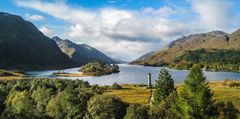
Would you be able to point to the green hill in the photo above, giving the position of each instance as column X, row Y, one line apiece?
column 23, row 46
column 210, row 48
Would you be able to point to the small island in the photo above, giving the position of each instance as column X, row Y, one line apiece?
column 91, row 69
column 11, row 74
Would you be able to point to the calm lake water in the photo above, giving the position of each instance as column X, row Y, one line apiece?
column 136, row 74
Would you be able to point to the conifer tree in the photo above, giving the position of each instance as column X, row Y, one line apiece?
column 195, row 97
column 164, row 86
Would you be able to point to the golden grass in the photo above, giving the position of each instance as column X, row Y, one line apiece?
column 131, row 94
column 136, row 94
column 11, row 77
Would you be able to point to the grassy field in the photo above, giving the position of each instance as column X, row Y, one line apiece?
column 140, row 95
column 131, row 94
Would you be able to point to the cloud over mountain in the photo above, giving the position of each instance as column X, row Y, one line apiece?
column 123, row 32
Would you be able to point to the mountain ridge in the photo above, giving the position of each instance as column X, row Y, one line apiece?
column 82, row 53
column 210, row 40
column 23, row 46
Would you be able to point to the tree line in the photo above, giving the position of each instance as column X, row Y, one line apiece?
column 76, row 99
column 214, row 59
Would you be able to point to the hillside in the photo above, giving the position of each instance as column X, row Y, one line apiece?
column 82, row 53
column 144, row 56
column 23, row 46
column 171, row 54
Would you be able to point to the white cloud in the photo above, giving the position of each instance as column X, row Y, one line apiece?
column 161, row 11
column 47, row 31
column 130, row 33
column 58, row 10
column 34, row 17
column 214, row 14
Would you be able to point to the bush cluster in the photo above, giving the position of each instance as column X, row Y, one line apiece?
column 56, row 99
column 99, row 68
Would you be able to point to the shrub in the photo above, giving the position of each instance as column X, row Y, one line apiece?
column 137, row 111
column 116, row 86
column 166, row 109
column 99, row 68
column 5, row 73
column 234, row 84
column 225, row 82
column 106, row 107
column 227, row 110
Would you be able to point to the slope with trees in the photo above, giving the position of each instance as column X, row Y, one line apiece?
column 23, row 46
column 181, row 52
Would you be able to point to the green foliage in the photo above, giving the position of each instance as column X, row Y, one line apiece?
column 163, row 87
column 19, row 105
column 105, row 107
column 137, row 111
column 68, row 104
column 234, row 84
column 45, row 98
column 227, row 110
column 23, row 46
column 99, row 68
column 167, row 109
column 116, row 86
column 5, row 73
column 227, row 60
column 195, row 97
column 3, row 95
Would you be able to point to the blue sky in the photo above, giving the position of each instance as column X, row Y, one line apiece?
column 126, row 29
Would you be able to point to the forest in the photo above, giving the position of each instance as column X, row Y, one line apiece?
column 211, row 60
column 77, row 99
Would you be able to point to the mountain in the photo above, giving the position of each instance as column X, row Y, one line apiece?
column 144, row 56
column 183, row 50
column 23, row 46
column 82, row 53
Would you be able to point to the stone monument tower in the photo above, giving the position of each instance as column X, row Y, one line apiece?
column 149, row 80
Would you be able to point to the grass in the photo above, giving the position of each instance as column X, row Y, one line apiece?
column 138, row 94
column 131, row 94
column 225, row 93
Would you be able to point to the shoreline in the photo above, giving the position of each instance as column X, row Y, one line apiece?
column 169, row 67
column 80, row 74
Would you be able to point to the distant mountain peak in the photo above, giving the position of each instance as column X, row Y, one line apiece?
column 57, row 39
column 210, row 40
column 236, row 33
column 217, row 33
column 3, row 14
column 82, row 53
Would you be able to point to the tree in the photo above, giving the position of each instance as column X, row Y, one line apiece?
column 68, row 104
column 195, row 97
column 116, row 86
column 167, row 109
column 106, row 107
column 227, row 110
column 163, row 87
column 42, row 96
column 137, row 111
column 3, row 95
column 19, row 105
